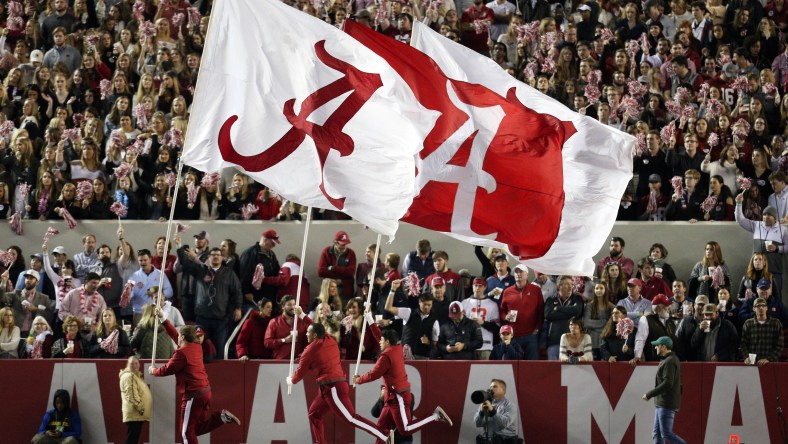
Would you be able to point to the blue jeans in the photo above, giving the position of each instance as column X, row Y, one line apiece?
column 663, row 427
column 529, row 345
column 553, row 351
column 216, row 330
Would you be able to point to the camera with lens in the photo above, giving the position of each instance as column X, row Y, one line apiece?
column 480, row 396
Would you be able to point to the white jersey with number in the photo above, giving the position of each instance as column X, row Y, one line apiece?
column 487, row 310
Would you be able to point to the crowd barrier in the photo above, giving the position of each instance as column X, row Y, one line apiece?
column 586, row 403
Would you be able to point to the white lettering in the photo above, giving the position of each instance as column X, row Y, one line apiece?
column 81, row 379
column 163, row 420
column 269, row 387
column 747, row 382
column 586, row 398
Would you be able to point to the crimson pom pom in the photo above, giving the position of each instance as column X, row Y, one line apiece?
column 210, row 180
column 636, row 89
column 181, row 228
column 6, row 128
column 6, row 258
column 624, row 327
column 105, row 87
column 123, row 170
column 481, row 26
column 194, row 16
column 413, row 284
column 678, row 185
column 640, row 144
column 16, row 223
column 172, row 180
column 769, row 89
column 592, row 93
column 713, row 108
column 50, row 233
column 139, row 10
column 84, row 190
column 118, row 209
column 248, row 211
column 713, row 140
column 744, row 183
column 709, row 204
column 704, row 90
column 257, row 278
column 740, row 84
column 147, row 30
column 177, row 19
column 528, row 32
column 125, row 297
column 71, row 134
column 606, row 35
column 68, row 218
column 192, row 191
column 668, row 131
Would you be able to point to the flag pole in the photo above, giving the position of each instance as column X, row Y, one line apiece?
column 294, row 333
column 159, row 294
column 369, row 298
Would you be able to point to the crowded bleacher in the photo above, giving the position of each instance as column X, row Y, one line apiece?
column 95, row 107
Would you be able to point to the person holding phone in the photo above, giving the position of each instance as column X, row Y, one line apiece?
column 61, row 424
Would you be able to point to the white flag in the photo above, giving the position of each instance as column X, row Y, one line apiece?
column 307, row 110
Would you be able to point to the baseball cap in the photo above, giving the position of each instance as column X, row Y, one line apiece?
column 271, row 234
column 654, row 178
column 702, row 299
column 500, row 257
column 59, row 250
column 635, row 281
column 709, row 309
column 36, row 56
column 507, row 329
column 455, row 310
column 437, row 281
column 479, row 281
column 583, row 8
column 764, row 284
column 203, row 235
column 200, row 331
column 38, row 256
column 663, row 340
column 759, row 301
column 730, row 70
column 661, row 299
column 33, row 273
column 521, row 267
column 341, row 238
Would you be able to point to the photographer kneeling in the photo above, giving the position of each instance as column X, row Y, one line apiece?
column 496, row 415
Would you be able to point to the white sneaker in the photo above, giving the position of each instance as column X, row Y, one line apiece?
column 442, row 416
column 228, row 417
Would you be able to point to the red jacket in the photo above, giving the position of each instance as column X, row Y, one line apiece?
column 322, row 355
column 187, row 366
column 277, row 329
column 251, row 339
column 343, row 268
column 655, row 286
column 529, row 304
column 287, row 281
column 390, row 365
column 350, row 340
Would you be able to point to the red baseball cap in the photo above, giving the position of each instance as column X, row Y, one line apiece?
column 661, row 299
column 271, row 234
column 199, row 330
column 507, row 329
column 635, row 281
column 437, row 281
column 341, row 238
column 479, row 281
column 455, row 310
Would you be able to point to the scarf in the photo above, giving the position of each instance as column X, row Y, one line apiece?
column 87, row 307
column 110, row 343
column 38, row 345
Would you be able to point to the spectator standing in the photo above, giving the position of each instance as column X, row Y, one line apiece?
column 523, row 307
column 421, row 329
column 251, row 339
column 449, row 278
column 459, row 338
column 762, row 336
column 575, row 346
column 86, row 303
column 775, row 306
column 559, row 311
column 60, row 18
column 144, row 279
column 500, row 280
column 260, row 254
column 617, row 245
column 286, row 282
column 278, row 335
column 716, row 339
column 27, row 303
column 474, row 39
column 635, row 304
column 651, row 326
column 218, row 295
column 768, row 237
column 62, row 52
column 363, row 269
column 507, row 349
column 338, row 261
column 702, row 276
column 686, row 329
column 109, row 274
column 483, row 312
column 614, row 346
column 652, row 285
column 86, row 260
column 419, row 261
column 596, row 313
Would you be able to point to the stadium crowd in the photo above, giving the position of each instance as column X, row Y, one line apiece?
column 95, row 106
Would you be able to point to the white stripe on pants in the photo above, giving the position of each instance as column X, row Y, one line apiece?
column 405, row 420
column 351, row 419
column 186, row 414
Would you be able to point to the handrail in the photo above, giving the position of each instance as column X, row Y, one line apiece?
column 235, row 332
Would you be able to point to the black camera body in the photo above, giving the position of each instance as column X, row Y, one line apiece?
column 481, row 396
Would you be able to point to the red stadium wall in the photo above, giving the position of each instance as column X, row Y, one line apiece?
column 593, row 403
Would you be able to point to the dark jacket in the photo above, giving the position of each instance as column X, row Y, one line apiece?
column 559, row 314
column 67, row 421
column 467, row 332
column 667, row 390
column 217, row 293
column 725, row 345
column 503, row 352
column 249, row 259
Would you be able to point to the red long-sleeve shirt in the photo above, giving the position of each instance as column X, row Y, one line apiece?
column 287, row 283
column 390, row 366
column 322, row 356
column 529, row 303
column 251, row 339
column 277, row 329
column 343, row 267
column 187, row 366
